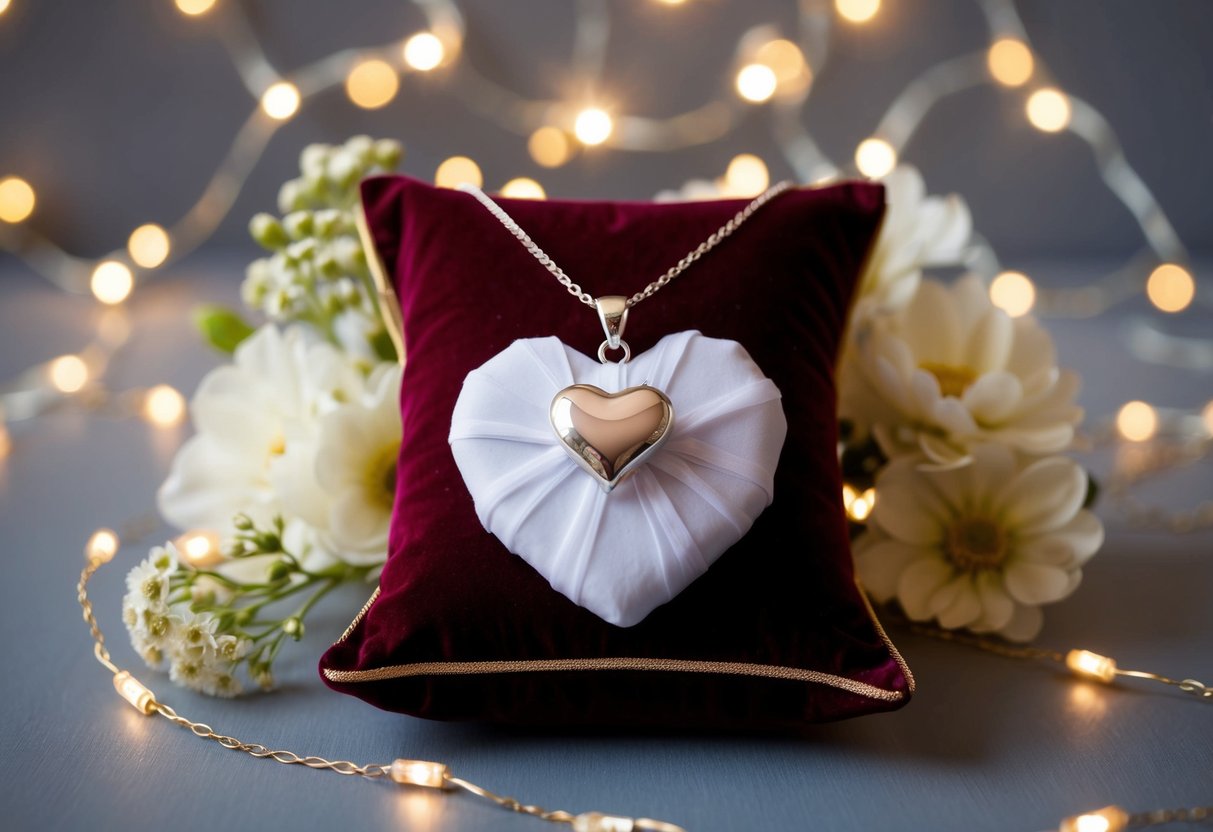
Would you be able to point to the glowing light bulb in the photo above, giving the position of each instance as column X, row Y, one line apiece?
column 670, row 2
column 280, row 101
column 148, row 245
column 1170, row 288
column 1107, row 819
column 372, row 84
column 193, row 8
column 1206, row 416
column 875, row 158
column 4, row 4
column 16, row 199
column 102, row 545
column 1013, row 293
column 457, row 170
column 424, row 51
column 593, row 126
column 1049, row 110
column 549, row 147
column 200, row 549
column 1137, row 421
column 523, row 188
column 756, row 82
column 746, row 175
column 857, row 11
column 6, row 441
column 112, row 282
column 419, row 773
column 68, row 373
column 163, row 406
column 1010, row 61
column 1091, row 665
column 134, row 691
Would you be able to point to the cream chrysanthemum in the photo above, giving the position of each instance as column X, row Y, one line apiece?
column 951, row 370
column 980, row 547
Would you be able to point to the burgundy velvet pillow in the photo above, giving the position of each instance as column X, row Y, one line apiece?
column 775, row 632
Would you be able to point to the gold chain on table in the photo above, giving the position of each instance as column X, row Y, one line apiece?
column 426, row 774
column 678, row 268
column 421, row 773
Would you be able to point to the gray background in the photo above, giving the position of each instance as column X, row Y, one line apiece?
column 118, row 113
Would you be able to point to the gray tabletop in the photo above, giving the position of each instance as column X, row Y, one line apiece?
column 988, row 743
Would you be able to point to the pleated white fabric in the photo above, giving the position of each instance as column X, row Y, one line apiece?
column 623, row 554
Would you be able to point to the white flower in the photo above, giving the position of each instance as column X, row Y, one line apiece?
column 147, row 587
column 980, row 547
column 248, row 415
column 229, row 648
column 918, row 232
column 951, row 370
column 355, row 473
column 196, row 635
column 215, row 681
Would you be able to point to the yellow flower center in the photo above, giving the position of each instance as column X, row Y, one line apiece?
column 974, row 544
column 953, row 381
column 278, row 446
column 380, row 481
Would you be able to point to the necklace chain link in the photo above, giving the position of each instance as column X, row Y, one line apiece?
column 717, row 237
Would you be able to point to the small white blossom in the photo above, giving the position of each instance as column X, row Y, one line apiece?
column 197, row 633
column 147, row 587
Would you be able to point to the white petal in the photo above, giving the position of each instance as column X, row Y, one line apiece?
column 880, row 562
column 918, row 583
column 993, row 397
column 990, row 341
column 907, row 508
column 1045, row 495
column 1024, row 625
column 1069, row 546
column 931, row 325
column 1033, row 583
column 964, row 606
column 996, row 606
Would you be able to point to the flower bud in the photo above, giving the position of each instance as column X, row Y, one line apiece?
column 298, row 224
column 292, row 196
column 242, row 522
column 267, row 231
column 343, row 169
column 388, row 153
column 360, row 148
column 293, row 627
column 280, row 571
column 327, row 222
column 313, row 160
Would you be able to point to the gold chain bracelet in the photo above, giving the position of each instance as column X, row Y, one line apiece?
column 432, row 775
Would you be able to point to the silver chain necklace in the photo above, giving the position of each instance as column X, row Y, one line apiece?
column 613, row 309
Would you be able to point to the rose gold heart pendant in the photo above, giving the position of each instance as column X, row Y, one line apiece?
column 611, row 434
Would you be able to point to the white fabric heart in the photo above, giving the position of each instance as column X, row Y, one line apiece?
column 623, row 554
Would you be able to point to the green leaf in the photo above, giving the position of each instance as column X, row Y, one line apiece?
column 223, row 328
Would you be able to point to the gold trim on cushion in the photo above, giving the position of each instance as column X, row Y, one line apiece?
column 764, row 671
column 393, row 320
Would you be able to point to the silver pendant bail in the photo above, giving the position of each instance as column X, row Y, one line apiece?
column 613, row 312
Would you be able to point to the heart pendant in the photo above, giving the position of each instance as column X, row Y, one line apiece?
column 611, row 434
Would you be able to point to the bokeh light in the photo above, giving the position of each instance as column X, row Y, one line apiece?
column 746, row 176
column 549, row 147
column 756, row 82
column 523, row 187
column 193, row 8
column 16, row 198
column 148, row 245
column 593, row 126
column 424, row 51
column 857, row 11
column 456, row 171
column 372, row 84
column 1049, row 110
column 68, row 373
column 1137, row 421
column 1010, row 62
column 163, row 406
column 112, row 282
column 1013, row 293
column 280, row 101
column 875, row 158
column 1170, row 288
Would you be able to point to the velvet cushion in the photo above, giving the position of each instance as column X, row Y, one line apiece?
column 776, row 631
